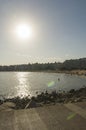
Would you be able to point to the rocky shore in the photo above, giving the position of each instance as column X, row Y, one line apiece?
column 46, row 98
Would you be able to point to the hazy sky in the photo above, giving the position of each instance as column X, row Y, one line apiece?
column 59, row 30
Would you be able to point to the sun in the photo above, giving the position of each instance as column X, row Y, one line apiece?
column 23, row 31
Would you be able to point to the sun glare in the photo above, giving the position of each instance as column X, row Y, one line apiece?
column 23, row 31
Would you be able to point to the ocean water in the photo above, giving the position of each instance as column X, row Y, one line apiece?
column 22, row 84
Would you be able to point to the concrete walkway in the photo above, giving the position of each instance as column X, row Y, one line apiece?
column 55, row 117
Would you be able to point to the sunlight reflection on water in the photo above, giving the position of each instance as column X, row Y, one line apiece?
column 22, row 88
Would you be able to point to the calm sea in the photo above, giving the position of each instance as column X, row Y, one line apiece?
column 28, row 83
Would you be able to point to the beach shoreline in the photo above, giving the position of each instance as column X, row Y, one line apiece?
column 75, row 72
column 72, row 72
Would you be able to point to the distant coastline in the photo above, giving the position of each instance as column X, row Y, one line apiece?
column 72, row 72
column 73, row 66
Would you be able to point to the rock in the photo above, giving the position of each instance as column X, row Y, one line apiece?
column 78, row 100
column 31, row 104
column 7, row 106
column 1, row 102
column 72, row 91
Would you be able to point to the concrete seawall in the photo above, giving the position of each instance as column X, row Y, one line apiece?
column 71, row 116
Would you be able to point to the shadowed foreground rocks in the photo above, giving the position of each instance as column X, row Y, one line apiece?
column 46, row 98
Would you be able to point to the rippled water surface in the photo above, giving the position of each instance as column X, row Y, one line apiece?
column 28, row 83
